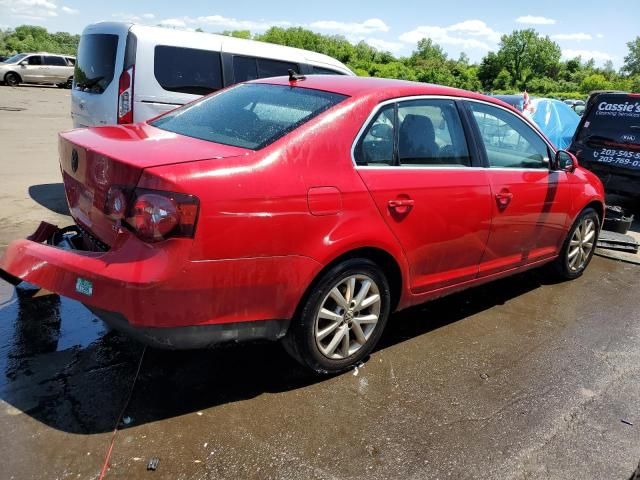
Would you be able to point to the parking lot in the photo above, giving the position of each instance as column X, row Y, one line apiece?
column 522, row 378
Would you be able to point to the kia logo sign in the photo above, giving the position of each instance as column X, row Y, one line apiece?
column 628, row 138
column 74, row 161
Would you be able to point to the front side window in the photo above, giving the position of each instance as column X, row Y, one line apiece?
column 248, row 115
column 250, row 68
column 187, row 70
column 324, row 71
column 34, row 60
column 244, row 69
column 508, row 141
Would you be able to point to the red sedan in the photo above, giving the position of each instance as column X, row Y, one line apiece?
column 307, row 210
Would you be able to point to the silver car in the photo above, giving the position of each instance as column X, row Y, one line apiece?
column 38, row 68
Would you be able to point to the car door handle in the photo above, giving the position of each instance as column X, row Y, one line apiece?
column 504, row 198
column 398, row 203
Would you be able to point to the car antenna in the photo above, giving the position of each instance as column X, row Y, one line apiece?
column 295, row 76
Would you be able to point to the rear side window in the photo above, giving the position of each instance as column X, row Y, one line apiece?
column 55, row 61
column 248, row 115
column 250, row 68
column 95, row 62
column 187, row 70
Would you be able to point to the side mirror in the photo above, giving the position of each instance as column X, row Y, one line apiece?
column 565, row 161
column 23, row 63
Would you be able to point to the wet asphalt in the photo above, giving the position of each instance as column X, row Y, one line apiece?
column 522, row 378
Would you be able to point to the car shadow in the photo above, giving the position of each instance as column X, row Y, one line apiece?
column 82, row 389
column 51, row 196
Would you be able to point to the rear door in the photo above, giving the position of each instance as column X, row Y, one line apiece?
column 94, row 98
column 530, row 201
column 57, row 70
column 415, row 160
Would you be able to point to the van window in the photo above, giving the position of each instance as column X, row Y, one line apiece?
column 250, row 68
column 187, row 70
column 244, row 69
column 55, row 61
column 324, row 71
column 35, row 60
column 95, row 62
column 250, row 115
column 71, row 61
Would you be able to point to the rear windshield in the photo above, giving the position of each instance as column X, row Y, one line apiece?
column 248, row 115
column 613, row 117
column 95, row 62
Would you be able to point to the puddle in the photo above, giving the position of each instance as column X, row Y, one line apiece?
column 30, row 327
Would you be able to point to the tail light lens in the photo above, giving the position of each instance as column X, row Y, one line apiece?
column 155, row 215
column 125, row 96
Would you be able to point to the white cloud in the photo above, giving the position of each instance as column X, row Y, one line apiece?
column 384, row 45
column 148, row 15
column 371, row 25
column 221, row 22
column 173, row 22
column 468, row 34
column 70, row 11
column 534, row 20
column 586, row 55
column 31, row 9
column 572, row 36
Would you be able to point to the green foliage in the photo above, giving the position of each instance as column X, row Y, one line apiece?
column 246, row 34
column 593, row 82
column 29, row 38
column 632, row 60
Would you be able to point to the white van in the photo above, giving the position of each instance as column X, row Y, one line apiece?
column 128, row 73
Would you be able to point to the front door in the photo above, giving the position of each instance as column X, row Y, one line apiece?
column 529, row 199
column 436, row 199
column 33, row 71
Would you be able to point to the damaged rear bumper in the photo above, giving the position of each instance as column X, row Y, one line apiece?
column 158, row 295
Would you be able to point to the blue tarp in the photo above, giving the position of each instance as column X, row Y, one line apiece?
column 556, row 119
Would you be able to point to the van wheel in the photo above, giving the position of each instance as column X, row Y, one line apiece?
column 342, row 318
column 12, row 79
column 579, row 246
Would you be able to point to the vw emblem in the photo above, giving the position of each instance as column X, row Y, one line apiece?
column 74, row 161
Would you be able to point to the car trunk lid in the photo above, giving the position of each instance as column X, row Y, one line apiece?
column 94, row 160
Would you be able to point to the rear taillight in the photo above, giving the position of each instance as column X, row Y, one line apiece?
column 156, row 215
column 125, row 96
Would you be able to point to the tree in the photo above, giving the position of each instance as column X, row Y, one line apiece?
column 246, row 34
column 526, row 55
column 594, row 82
column 489, row 69
column 632, row 60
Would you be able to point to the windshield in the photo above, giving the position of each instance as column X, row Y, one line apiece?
column 95, row 62
column 15, row 58
column 248, row 115
column 613, row 118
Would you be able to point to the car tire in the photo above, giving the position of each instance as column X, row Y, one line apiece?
column 579, row 246
column 341, row 318
column 12, row 79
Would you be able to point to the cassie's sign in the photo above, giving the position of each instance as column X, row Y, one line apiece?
column 625, row 107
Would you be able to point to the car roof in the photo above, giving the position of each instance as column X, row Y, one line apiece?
column 382, row 87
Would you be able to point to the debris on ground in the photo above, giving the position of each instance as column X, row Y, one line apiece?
column 626, row 422
column 153, row 463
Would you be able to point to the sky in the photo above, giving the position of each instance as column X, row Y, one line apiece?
column 598, row 30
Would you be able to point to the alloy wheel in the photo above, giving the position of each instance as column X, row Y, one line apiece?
column 581, row 245
column 347, row 317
